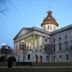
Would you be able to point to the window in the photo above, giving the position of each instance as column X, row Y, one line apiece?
column 54, row 39
column 54, row 28
column 16, row 46
column 18, row 58
column 47, row 57
column 71, row 41
column 48, row 26
column 45, row 40
column 59, row 38
column 36, row 58
column 66, row 45
column 60, row 56
column 65, row 36
column 54, row 58
column 44, row 27
column 60, row 46
column 40, row 56
column 20, row 45
column 54, row 47
column 67, row 57
column 28, row 56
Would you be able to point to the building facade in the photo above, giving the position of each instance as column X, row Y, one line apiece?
column 46, row 44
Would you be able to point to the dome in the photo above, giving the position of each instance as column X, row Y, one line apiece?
column 49, row 19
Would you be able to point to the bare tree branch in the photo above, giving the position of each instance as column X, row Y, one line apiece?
column 3, row 6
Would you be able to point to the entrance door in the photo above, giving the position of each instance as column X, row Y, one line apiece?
column 40, row 59
column 36, row 59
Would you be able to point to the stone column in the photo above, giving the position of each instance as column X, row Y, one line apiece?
column 38, row 46
column 28, row 42
column 18, row 45
column 39, row 42
column 18, row 52
column 36, row 41
column 42, row 42
column 33, row 41
column 25, row 43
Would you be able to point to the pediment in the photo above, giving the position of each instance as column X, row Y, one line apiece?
column 22, row 32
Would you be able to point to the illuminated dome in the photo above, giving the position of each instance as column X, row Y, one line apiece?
column 49, row 23
column 49, row 19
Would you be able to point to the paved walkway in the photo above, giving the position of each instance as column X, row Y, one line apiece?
column 36, row 69
column 50, row 67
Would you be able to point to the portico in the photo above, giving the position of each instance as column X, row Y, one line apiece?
column 32, row 44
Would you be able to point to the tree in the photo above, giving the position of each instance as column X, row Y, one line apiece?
column 6, row 50
column 2, row 58
column 3, row 6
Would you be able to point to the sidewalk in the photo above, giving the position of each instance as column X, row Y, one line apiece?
column 36, row 69
column 50, row 67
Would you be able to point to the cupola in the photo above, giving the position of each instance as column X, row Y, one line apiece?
column 49, row 23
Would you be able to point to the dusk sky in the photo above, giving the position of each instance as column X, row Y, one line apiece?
column 29, row 13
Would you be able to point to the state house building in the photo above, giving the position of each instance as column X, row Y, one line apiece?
column 45, row 44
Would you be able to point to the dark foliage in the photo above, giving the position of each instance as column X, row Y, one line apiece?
column 6, row 50
column 2, row 59
column 12, row 59
column 3, row 6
